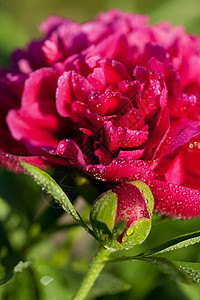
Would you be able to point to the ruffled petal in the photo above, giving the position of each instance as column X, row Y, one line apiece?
column 118, row 137
column 13, row 162
column 177, row 135
column 71, row 87
column 175, row 201
column 121, row 170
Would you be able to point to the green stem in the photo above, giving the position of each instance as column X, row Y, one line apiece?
column 94, row 271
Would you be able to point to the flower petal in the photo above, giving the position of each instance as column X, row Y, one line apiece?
column 175, row 201
column 179, row 134
column 71, row 86
column 68, row 149
column 118, row 137
column 121, row 170
column 13, row 162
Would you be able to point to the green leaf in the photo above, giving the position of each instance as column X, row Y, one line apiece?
column 163, row 264
column 190, row 269
column 191, row 291
column 174, row 244
column 49, row 185
column 167, row 267
column 6, row 279
column 108, row 284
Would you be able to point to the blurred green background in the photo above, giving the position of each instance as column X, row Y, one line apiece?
column 19, row 19
column 34, row 230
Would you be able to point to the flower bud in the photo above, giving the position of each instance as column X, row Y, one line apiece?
column 121, row 217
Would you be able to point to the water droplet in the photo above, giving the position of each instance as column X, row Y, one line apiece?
column 129, row 231
column 179, row 202
column 124, row 239
column 45, row 280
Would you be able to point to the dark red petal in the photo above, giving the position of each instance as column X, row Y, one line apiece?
column 97, row 79
column 40, row 86
column 158, row 133
column 34, row 126
column 103, row 104
column 130, row 204
column 191, row 163
column 13, row 163
column 130, row 89
column 114, row 71
column 118, row 137
column 71, row 87
column 175, row 173
column 175, row 201
column 132, row 154
column 36, row 121
column 85, row 118
column 69, row 150
column 121, row 169
column 179, row 134
column 132, row 119
column 104, row 155
column 141, row 74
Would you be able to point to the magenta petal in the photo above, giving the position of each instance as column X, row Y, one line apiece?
column 105, row 157
column 121, row 169
column 113, row 70
column 118, row 137
column 108, row 103
column 63, row 95
column 33, row 125
column 179, row 134
column 51, row 23
column 134, row 154
column 13, row 162
column 71, row 86
column 97, row 79
column 36, row 121
column 40, row 86
column 51, row 49
column 175, row 173
column 130, row 205
column 69, row 150
column 102, row 104
column 175, row 201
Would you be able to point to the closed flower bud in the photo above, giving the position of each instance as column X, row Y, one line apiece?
column 121, row 217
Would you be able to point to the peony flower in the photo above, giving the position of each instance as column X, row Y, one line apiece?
column 116, row 98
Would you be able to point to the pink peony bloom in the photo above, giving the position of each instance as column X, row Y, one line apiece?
column 115, row 98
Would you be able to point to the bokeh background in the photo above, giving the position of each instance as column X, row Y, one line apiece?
column 32, row 227
column 19, row 19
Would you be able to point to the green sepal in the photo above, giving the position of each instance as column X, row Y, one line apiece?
column 119, row 228
column 136, row 233
column 102, row 215
column 147, row 194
